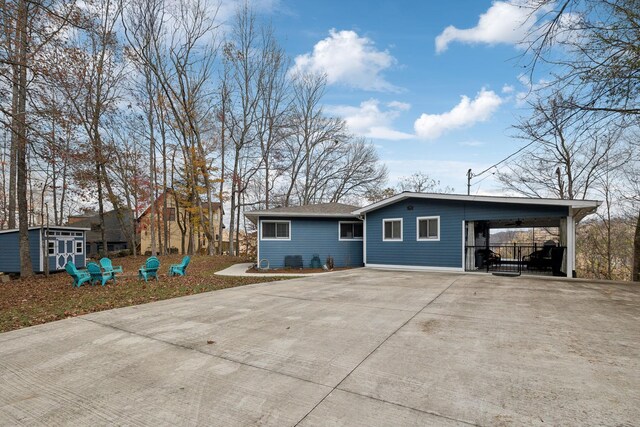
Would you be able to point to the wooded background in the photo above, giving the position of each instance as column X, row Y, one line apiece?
column 110, row 102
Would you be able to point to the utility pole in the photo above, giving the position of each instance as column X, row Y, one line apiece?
column 469, row 176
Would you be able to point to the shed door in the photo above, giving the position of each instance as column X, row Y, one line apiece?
column 64, row 252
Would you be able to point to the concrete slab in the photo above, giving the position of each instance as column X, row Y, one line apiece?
column 359, row 347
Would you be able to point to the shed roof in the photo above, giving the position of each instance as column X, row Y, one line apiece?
column 51, row 227
column 327, row 210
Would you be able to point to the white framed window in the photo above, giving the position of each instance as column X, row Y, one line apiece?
column 392, row 230
column 79, row 246
column 428, row 228
column 350, row 230
column 275, row 230
column 51, row 247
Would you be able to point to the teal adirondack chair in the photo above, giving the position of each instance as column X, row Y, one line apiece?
column 149, row 269
column 79, row 276
column 97, row 275
column 180, row 269
column 107, row 266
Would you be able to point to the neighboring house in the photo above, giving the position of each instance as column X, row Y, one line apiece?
column 116, row 239
column 418, row 230
column 60, row 244
column 177, row 220
column 327, row 229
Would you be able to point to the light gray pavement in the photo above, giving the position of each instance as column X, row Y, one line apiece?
column 240, row 270
column 360, row 347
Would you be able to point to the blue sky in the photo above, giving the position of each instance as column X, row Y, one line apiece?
column 435, row 85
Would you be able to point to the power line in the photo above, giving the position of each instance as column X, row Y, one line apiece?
column 471, row 175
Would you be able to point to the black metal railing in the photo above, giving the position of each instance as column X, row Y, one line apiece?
column 516, row 259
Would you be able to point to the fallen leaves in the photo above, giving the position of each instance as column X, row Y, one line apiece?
column 44, row 299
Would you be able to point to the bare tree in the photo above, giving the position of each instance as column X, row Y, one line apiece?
column 566, row 157
column 420, row 182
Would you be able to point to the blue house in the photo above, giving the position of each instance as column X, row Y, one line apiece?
column 52, row 246
column 432, row 232
column 290, row 235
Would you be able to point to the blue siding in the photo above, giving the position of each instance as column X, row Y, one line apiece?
column 311, row 236
column 9, row 253
column 35, row 249
column 447, row 252
column 9, row 258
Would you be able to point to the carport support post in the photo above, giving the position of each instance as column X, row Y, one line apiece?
column 571, row 244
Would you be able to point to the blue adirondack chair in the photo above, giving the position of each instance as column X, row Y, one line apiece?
column 79, row 276
column 107, row 266
column 149, row 269
column 180, row 269
column 97, row 275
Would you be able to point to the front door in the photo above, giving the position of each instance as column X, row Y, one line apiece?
column 64, row 252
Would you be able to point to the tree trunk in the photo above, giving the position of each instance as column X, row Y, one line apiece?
column 20, row 129
column 14, row 149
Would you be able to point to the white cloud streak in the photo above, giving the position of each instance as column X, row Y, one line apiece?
column 506, row 22
column 466, row 113
column 370, row 121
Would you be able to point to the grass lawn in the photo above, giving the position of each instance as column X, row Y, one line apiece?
column 45, row 299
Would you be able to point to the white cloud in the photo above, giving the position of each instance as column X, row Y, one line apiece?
column 530, row 89
column 403, row 106
column 508, row 88
column 370, row 121
column 348, row 59
column 504, row 22
column 466, row 113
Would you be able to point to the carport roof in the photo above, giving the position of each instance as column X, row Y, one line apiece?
column 581, row 208
column 327, row 210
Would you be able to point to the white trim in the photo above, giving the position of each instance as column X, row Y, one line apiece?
column 257, row 246
column 364, row 239
column 384, row 220
column 426, row 239
column 275, row 238
column 357, row 239
column 592, row 204
column 414, row 267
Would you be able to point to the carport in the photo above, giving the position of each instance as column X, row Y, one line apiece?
column 553, row 257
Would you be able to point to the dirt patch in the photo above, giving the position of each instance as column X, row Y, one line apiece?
column 429, row 325
column 42, row 299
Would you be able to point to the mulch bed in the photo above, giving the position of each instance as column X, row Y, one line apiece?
column 41, row 299
column 295, row 270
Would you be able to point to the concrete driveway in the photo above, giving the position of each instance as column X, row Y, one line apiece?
column 363, row 347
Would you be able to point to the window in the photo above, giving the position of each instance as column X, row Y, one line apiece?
column 79, row 246
column 428, row 228
column 392, row 229
column 350, row 230
column 170, row 214
column 276, row 230
column 51, row 248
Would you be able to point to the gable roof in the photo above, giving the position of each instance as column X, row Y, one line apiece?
column 582, row 207
column 112, row 230
column 326, row 210
column 205, row 205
